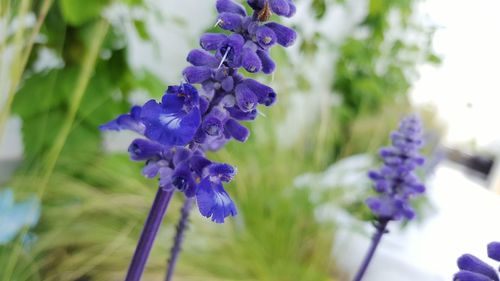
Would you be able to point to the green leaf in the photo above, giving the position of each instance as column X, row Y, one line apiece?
column 141, row 29
column 78, row 12
column 45, row 90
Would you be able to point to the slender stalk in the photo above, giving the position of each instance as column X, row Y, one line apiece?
column 381, row 227
column 148, row 234
column 179, row 236
column 86, row 73
column 19, row 66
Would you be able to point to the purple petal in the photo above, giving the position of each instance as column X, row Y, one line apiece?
column 202, row 58
column 268, row 65
column 213, row 122
column 245, row 97
column 280, row 7
column 265, row 94
column 464, row 275
column 165, row 177
column 213, row 201
column 180, row 155
column 151, row 169
column 285, row 35
column 237, row 131
column 128, row 121
column 230, row 7
column 141, row 149
column 238, row 114
column 292, row 7
column 198, row 163
column 230, row 21
column 266, row 37
column 183, row 180
column 227, row 84
column 471, row 263
column 494, row 250
column 250, row 61
column 224, row 172
column 197, row 74
column 170, row 128
column 212, row 41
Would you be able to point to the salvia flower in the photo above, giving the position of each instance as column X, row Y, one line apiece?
column 189, row 121
column 177, row 131
column 396, row 182
column 474, row 269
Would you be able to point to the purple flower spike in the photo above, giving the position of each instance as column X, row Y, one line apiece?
column 185, row 124
column 395, row 181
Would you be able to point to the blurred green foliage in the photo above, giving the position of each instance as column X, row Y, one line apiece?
column 69, row 31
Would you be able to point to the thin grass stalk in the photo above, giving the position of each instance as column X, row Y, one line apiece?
column 15, row 64
column 19, row 70
column 84, row 77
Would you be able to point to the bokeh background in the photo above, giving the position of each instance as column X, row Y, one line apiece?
column 72, row 204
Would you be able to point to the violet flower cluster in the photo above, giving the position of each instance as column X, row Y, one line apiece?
column 177, row 131
column 474, row 269
column 396, row 182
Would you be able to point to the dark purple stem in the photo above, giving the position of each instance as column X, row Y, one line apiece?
column 179, row 236
column 148, row 234
column 381, row 226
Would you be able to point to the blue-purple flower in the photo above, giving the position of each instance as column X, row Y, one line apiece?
column 187, row 122
column 395, row 182
column 474, row 269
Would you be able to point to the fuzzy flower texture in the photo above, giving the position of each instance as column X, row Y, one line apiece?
column 474, row 269
column 188, row 122
column 395, row 182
